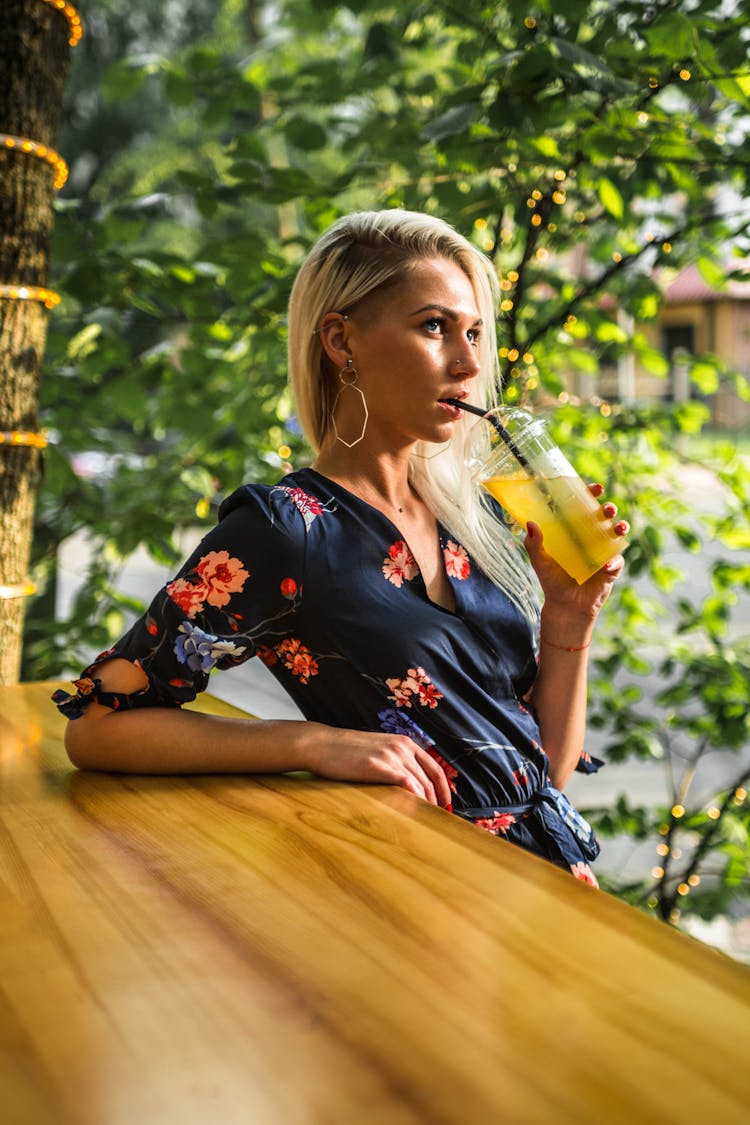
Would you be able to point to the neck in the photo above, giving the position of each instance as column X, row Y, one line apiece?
column 381, row 477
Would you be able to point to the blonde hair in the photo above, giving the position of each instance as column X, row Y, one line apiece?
column 360, row 255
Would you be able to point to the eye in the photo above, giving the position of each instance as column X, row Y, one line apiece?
column 435, row 324
column 473, row 336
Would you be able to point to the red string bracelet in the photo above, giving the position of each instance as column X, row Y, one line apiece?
column 563, row 648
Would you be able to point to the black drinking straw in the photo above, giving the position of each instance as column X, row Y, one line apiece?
column 467, row 406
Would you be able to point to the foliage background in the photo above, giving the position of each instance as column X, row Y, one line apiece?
column 591, row 148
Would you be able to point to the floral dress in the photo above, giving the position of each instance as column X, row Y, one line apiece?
column 323, row 588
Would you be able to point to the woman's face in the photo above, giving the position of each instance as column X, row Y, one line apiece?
column 414, row 346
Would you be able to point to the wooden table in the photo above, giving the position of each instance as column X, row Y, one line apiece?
column 285, row 950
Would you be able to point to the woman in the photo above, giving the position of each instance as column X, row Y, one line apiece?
column 382, row 591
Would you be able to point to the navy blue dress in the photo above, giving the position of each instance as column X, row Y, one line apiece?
column 322, row 588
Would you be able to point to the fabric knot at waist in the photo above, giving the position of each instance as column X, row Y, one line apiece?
column 547, row 802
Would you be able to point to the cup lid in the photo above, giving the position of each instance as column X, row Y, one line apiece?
column 497, row 433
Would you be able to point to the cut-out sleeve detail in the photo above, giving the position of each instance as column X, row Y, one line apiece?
column 241, row 586
column 89, row 688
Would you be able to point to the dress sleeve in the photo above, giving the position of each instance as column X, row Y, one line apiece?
column 237, row 592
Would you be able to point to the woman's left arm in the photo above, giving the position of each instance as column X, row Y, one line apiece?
column 568, row 618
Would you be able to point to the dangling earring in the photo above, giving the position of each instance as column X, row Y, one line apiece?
column 346, row 384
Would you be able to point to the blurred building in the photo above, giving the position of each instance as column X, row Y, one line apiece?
column 695, row 319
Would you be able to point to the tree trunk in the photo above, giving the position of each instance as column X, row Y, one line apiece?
column 34, row 57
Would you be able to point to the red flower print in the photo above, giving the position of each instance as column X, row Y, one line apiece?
column 85, row 685
column 288, row 587
column 298, row 659
column 521, row 776
column 266, row 655
column 187, row 596
column 501, row 822
column 457, row 563
column 151, row 626
column 583, row 872
column 309, row 506
column 451, row 773
column 429, row 695
column 416, row 683
column 222, row 576
column 399, row 564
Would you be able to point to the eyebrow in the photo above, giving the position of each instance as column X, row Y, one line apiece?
column 450, row 313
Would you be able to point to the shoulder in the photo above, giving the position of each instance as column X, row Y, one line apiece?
column 291, row 506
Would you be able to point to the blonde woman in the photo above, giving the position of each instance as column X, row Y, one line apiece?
column 383, row 593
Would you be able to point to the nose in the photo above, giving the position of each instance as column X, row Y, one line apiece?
column 468, row 364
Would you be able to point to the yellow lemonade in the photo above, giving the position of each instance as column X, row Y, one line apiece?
column 576, row 532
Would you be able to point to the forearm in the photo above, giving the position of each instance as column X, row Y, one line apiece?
column 559, row 694
column 169, row 740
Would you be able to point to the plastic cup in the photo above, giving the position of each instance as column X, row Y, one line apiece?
column 513, row 456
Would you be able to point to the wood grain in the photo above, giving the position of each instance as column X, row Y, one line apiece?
column 290, row 950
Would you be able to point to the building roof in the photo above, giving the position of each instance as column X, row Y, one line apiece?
column 690, row 286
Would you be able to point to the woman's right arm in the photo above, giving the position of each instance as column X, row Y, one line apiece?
column 170, row 740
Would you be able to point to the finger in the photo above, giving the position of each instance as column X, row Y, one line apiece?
column 622, row 527
column 436, row 773
column 609, row 509
column 417, row 781
column 614, row 567
column 596, row 489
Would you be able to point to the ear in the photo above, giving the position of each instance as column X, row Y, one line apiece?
column 334, row 337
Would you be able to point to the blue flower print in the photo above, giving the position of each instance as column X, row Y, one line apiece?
column 199, row 650
column 396, row 722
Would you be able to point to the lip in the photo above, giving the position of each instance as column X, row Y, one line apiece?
column 451, row 411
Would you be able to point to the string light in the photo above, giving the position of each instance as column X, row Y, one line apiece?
column 43, row 152
column 19, row 590
column 75, row 26
column 23, row 437
column 48, row 297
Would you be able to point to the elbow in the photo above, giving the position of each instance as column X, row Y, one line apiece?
column 80, row 746
column 559, row 776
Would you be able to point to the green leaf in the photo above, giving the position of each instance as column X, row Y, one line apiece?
column 705, row 376
column 453, row 121
column 610, row 198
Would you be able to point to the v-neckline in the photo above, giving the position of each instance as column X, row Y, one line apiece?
column 441, row 535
